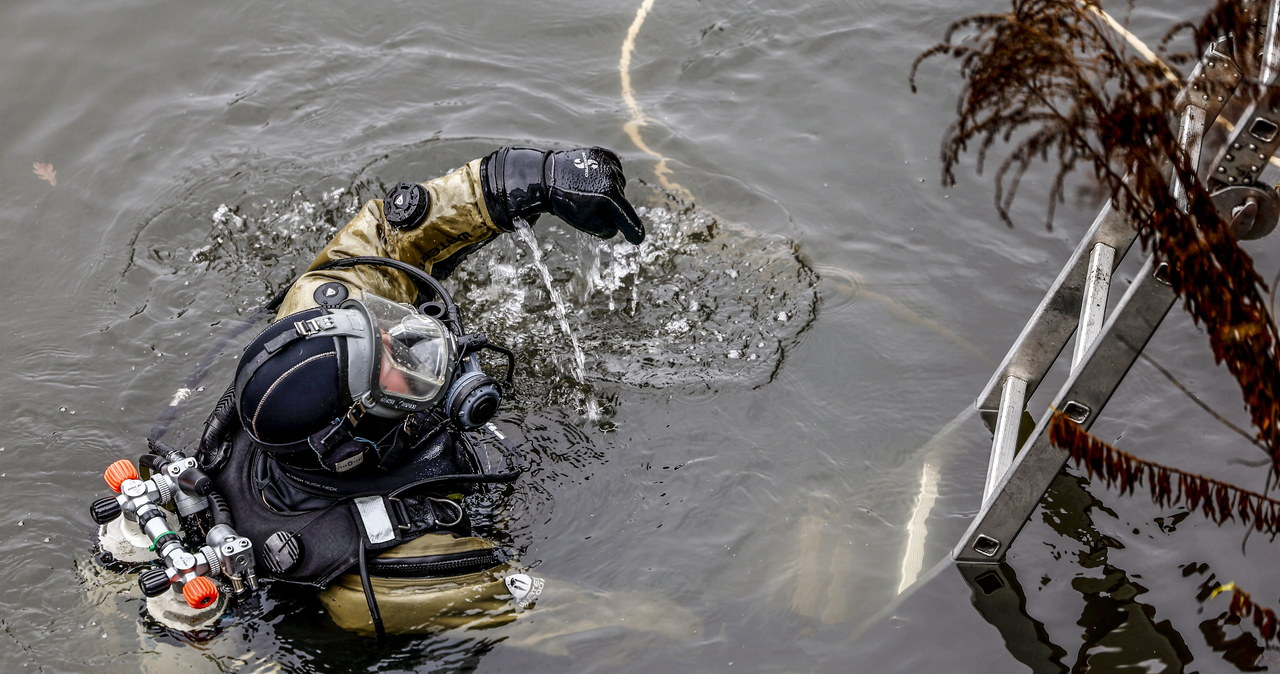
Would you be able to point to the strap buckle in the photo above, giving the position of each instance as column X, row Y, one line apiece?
column 314, row 326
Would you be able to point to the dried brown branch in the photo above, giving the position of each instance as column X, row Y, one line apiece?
column 1053, row 83
column 1219, row 501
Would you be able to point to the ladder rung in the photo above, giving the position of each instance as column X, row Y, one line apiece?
column 1004, row 445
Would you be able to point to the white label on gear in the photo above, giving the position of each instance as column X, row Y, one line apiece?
column 377, row 521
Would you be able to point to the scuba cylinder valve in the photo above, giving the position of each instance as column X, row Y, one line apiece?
column 188, row 560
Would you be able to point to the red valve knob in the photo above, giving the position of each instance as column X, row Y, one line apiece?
column 118, row 472
column 200, row 592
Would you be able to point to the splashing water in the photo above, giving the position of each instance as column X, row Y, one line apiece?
column 701, row 306
column 525, row 234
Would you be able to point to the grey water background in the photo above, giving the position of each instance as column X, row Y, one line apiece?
column 767, row 379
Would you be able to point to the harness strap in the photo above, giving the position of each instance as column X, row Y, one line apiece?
column 387, row 521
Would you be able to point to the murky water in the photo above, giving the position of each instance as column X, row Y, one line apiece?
column 782, row 377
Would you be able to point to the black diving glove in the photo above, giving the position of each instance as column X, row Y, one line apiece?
column 583, row 187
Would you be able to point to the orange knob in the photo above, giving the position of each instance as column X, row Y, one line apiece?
column 200, row 592
column 118, row 472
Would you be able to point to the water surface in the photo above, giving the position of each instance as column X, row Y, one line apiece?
column 774, row 374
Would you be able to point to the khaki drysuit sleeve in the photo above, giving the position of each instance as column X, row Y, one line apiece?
column 456, row 220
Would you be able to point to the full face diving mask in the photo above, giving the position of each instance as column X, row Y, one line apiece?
column 400, row 360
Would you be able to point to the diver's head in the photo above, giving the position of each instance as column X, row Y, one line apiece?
column 308, row 371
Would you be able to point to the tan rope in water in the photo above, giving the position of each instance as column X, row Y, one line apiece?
column 1134, row 41
column 638, row 118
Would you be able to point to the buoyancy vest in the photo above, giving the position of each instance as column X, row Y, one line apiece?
column 309, row 527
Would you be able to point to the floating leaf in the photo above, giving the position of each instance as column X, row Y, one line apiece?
column 45, row 173
column 1222, row 588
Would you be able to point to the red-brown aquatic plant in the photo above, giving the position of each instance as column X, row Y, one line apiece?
column 1055, row 83
column 1243, row 607
column 1052, row 82
column 1219, row 501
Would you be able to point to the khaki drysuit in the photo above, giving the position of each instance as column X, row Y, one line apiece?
column 457, row 222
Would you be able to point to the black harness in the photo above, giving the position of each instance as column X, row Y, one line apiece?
column 312, row 524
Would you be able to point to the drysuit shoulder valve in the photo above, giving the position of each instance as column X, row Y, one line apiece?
column 405, row 205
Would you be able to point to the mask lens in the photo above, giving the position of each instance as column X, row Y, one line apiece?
column 417, row 352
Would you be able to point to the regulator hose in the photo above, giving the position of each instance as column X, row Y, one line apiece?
column 219, row 510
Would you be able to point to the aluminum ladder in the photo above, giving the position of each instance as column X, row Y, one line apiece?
column 1019, row 473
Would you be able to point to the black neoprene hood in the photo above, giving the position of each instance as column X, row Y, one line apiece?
column 286, row 393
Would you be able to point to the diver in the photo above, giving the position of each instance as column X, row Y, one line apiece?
column 343, row 447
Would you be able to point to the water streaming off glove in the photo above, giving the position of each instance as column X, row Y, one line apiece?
column 525, row 233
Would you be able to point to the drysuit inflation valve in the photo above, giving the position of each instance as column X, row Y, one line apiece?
column 406, row 205
column 281, row 552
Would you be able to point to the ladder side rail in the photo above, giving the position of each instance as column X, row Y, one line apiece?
column 1211, row 84
column 1083, row 396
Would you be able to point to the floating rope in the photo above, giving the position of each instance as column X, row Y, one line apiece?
column 638, row 118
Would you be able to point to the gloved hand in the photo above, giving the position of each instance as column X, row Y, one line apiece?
column 583, row 187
